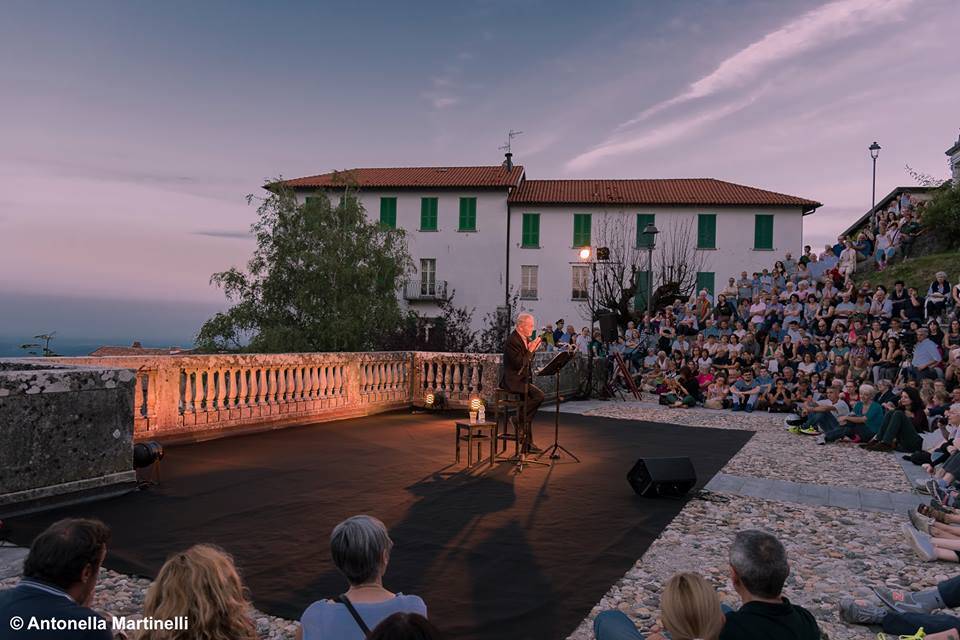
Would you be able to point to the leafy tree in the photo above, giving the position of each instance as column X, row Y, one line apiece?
column 942, row 211
column 455, row 324
column 497, row 325
column 450, row 331
column 322, row 278
column 414, row 333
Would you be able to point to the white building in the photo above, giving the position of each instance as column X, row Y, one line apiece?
column 954, row 155
column 484, row 231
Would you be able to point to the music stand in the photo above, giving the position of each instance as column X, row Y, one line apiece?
column 553, row 368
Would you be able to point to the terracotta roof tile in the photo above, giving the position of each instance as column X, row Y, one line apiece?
column 672, row 191
column 399, row 177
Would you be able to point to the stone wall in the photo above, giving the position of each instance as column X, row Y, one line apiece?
column 64, row 431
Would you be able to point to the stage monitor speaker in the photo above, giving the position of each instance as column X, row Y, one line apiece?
column 662, row 477
column 608, row 327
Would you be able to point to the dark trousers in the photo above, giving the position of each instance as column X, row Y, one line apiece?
column 534, row 400
column 833, row 430
column 907, row 623
column 898, row 430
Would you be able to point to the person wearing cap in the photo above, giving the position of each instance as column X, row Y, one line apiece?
column 558, row 332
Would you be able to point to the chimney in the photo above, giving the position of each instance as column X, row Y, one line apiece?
column 509, row 161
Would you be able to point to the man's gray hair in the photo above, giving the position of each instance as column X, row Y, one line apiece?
column 760, row 561
column 358, row 546
column 522, row 316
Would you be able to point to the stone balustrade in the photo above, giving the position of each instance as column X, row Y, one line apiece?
column 195, row 397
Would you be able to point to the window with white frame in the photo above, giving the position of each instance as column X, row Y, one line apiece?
column 581, row 278
column 428, row 276
column 528, row 281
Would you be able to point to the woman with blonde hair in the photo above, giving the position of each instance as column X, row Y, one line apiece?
column 689, row 607
column 203, row 585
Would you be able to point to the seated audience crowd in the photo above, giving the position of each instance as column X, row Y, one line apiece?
column 843, row 362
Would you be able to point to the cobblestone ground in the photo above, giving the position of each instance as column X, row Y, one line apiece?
column 773, row 452
column 833, row 551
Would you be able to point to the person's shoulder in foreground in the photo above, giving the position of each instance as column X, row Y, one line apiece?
column 770, row 621
column 334, row 617
column 36, row 605
column 758, row 570
column 59, row 577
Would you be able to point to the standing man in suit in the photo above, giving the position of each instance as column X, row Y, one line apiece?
column 517, row 371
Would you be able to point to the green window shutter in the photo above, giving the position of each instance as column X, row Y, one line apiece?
column 428, row 214
column 763, row 231
column 468, row 214
column 707, row 231
column 388, row 212
column 530, row 236
column 643, row 219
column 581, row 229
column 643, row 290
column 705, row 281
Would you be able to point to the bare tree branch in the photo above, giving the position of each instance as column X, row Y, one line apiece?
column 676, row 263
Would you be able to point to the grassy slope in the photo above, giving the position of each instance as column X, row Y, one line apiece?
column 917, row 272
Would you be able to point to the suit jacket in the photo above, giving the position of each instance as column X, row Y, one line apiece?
column 516, row 364
column 32, row 598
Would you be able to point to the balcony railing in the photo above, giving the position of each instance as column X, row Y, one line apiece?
column 203, row 396
column 416, row 289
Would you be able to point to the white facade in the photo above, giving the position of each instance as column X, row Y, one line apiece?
column 474, row 263
column 557, row 255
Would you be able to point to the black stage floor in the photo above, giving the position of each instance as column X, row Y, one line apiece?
column 493, row 554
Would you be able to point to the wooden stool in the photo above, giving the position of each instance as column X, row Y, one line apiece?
column 479, row 431
column 506, row 404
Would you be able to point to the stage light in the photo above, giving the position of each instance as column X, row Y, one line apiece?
column 434, row 400
column 146, row 454
column 585, row 253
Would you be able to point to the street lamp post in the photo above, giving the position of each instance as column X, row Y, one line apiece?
column 874, row 152
column 586, row 254
column 650, row 231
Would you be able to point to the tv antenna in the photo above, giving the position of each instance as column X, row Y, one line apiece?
column 510, row 136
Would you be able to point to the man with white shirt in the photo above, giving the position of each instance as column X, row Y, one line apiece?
column 820, row 415
column 926, row 357
column 848, row 261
